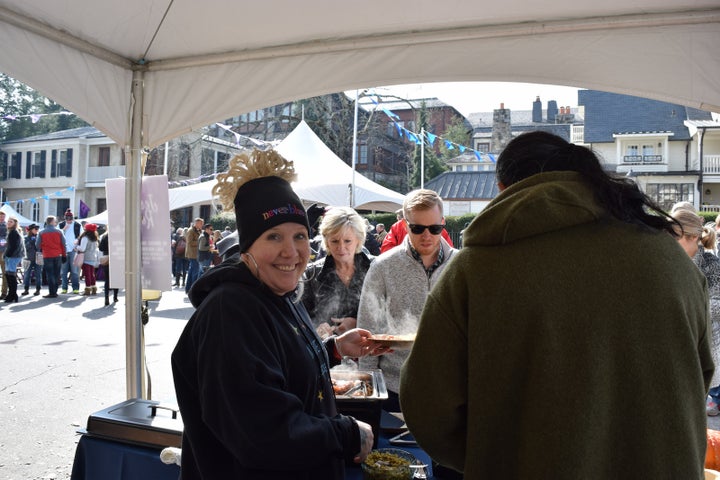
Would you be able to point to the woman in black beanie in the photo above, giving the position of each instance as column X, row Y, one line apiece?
column 251, row 376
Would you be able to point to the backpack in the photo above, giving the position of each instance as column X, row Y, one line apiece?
column 180, row 247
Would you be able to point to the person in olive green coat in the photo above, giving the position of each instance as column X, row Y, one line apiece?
column 569, row 338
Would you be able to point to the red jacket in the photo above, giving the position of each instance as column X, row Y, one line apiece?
column 52, row 242
column 397, row 233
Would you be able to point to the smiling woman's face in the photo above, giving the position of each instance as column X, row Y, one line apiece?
column 281, row 254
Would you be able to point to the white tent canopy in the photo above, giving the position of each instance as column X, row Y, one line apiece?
column 99, row 219
column 11, row 212
column 322, row 178
column 145, row 71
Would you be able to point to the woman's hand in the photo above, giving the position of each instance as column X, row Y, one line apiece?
column 366, row 441
column 356, row 343
column 344, row 324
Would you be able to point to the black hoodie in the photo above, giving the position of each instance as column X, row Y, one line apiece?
column 252, row 382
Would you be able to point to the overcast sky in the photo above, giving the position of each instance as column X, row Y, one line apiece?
column 471, row 97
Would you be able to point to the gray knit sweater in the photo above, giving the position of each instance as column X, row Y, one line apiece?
column 392, row 300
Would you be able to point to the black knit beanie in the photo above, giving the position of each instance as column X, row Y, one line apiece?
column 264, row 203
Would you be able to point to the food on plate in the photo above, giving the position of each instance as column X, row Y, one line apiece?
column 397, row 342
column 388, row 464
column 353, row 387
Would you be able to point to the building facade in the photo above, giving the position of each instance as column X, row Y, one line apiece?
column 47, row 174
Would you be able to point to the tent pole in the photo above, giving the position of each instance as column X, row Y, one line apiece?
column 354, row 153
column 134, row 354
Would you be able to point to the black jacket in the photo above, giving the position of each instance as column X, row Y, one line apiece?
column 15, row 245
column 253, row 386
column 325, row 295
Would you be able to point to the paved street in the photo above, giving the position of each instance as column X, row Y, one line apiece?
column 63, row 359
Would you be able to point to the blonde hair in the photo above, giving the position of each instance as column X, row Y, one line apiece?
column 683, row 206
column 690, row 222
column 421, row 199
column 338, row 218
column 17, row 224
column 708, row 237
column 243, row 168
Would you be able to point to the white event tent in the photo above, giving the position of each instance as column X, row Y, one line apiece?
column 145, row 71
column 322, row 178
column 11, row 212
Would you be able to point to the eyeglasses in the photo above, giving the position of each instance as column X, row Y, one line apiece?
column 419, row 229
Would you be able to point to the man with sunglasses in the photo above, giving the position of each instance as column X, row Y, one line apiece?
column 397, row 233
column 399, row 280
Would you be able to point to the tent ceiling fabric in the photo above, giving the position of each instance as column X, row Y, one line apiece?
column 205, row 64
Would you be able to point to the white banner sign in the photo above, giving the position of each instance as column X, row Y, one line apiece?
column 154, row 232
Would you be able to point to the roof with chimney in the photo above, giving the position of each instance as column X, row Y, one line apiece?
column 608, row 114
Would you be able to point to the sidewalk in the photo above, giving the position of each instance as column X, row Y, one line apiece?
column 64, row 359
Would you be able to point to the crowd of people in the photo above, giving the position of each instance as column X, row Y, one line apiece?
column 58, row 255
column 572, row 319
column 577, row 314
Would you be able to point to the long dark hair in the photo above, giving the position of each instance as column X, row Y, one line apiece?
column 536, row 152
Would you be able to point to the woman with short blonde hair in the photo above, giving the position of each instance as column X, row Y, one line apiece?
column 334, row 282
column 689, row 228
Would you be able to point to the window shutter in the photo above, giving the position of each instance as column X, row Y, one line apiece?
column 53, row 164
column 68, row 170
column 28, row 164
column 43, row 162
column 17, row 164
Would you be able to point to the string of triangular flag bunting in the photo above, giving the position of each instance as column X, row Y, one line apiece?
column 34, row 200
column 431, row 137
column 259, row 143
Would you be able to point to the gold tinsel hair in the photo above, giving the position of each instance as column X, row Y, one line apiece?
column 243, row 168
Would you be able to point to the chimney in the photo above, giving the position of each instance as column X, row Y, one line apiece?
column 552, row 111
column 501, row 129
column 537, row 110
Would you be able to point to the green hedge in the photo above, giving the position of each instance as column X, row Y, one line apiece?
column 708, row 216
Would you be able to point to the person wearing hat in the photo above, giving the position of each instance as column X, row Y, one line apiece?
column 88, row 248
column 71, row 230
column 251, row 376
column 34, row 270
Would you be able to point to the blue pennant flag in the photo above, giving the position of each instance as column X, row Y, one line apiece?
column 491, row 157
column 46, row 197
column 399, row 130
column 431, row 137
column 412, row 137
column 462, row 148
column 477, row 155
column 390, row 114
column 71, row 188
column 449, row 145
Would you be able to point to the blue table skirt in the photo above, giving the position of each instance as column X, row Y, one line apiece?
column 99, row 459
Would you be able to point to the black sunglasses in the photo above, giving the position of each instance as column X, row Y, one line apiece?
column 419, row 229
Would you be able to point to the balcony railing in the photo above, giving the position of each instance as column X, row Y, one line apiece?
column 711, row 164
column 99, row 174
column 642, row 159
